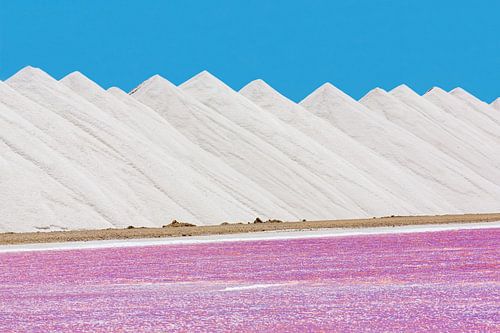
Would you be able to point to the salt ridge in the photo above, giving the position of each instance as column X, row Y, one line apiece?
column 387, row 175
column 239, row 148
column 156, row 186
column 477, row 158
column 462, row 110
column 476, row 104
column 342, row 180
column 442, row 173
column 75, row 156
column 241, row 198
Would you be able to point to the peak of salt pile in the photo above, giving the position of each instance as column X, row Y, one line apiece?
column 463, row 111
column 115, row 91
column 435, row 169
column 332, row 96
column 248, row 154
column 140, row 172
column 431, row 130
column 403, row 88
column 387, row 175
column 242, row 199
column 335, row 172
column 496, row 104
column 29, row 73
column 462, row 93
column 450, row 123
column 476, row 104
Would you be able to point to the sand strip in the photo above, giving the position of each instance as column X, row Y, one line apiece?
column 284, row 233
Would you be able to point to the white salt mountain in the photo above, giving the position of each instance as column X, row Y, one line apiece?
column 156, row 186
column 34, row 191
column 476, row 153
column 463, row 111
column 53, row 146
column 262, row 202
column 436, row 169
column 299, row 188
column 74, row 156
column 476, row 104
column 387, row 175
column 341, row 179
column 243, row 199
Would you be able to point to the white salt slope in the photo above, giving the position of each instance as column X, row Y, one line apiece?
column 463, row 111
column 476, row 104
column 263, row 202
column 242, row 150
column 388, row 176
column 341, row 178
column 434, row 168
column 70, row 145
column 34, row 190
column 243, row 199
column 496, row 104
column 157, row 186
column 479, row 157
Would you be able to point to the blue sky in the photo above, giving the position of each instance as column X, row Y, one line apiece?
column 293, row 45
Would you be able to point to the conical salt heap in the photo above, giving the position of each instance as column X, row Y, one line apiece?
column 75, row 156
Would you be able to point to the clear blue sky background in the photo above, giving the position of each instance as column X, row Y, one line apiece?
column 293, row 45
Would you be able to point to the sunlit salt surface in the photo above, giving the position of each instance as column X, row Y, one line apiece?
column 428, row 281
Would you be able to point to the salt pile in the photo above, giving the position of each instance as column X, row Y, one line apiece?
column 476, row 103
column 146, row 185
column 387, row 175
column 463, row 111
column 241, row 149
column 75, row 156
column 476, row 153
column 342, row 180
column 496, row 104
column 240, row 198
column 451, row 184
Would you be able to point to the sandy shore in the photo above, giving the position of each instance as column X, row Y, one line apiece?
column 141, row 233
column 249, row 236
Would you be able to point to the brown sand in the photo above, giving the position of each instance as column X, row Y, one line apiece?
column 231, row 228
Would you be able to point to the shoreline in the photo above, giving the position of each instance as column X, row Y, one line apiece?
column 242, row 237
column 184, row 233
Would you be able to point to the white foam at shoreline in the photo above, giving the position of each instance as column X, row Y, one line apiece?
column 252, row 236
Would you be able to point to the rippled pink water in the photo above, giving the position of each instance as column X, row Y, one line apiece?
column 437, row 281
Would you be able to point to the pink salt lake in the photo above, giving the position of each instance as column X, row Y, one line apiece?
column 431, row 281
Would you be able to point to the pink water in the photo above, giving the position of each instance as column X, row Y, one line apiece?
column 436, row 281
